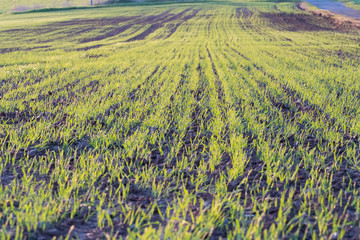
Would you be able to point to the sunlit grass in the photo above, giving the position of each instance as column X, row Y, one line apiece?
column 219, row 122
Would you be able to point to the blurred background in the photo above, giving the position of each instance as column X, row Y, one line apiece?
column 25, row 5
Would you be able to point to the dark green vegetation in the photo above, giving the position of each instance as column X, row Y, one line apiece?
column 202, row 120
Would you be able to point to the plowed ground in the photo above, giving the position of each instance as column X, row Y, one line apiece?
column 196, row 120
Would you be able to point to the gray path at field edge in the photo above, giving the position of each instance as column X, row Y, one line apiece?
column 336, row 7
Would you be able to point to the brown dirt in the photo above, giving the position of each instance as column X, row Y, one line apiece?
column 218, row 83
column 237, row 52
column 15, row 117
column 198, row 116
column 30, row 115
column 174, row 27
column 244, row 13
column 299, row 105
column 97, row 22
column 105, row 27
column 114, row 31
column 16, row 49
column 111, row 33
column 254, row 172
column 114, row 22
column 168, row 19
column 135, row 94
column 90, row 47
column 298, row 22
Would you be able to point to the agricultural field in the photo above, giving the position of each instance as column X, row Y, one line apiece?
column 203, row 120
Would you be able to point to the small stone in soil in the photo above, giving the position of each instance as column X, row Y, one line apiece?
column 32, row 153
column 82, row 145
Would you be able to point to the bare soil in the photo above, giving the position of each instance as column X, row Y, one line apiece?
column 201, row 114
column 244, row 13
column 105, row 28
column 299, row 22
